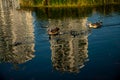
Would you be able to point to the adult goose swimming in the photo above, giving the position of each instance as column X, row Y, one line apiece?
column 53, row 31
column 95, row 25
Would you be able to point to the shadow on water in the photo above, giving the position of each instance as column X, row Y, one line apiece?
column 108, row 9
column 60, row 13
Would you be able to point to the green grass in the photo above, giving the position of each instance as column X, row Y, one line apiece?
column 66, row 3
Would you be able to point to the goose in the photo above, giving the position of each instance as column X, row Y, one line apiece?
column 53, row 31
column 95, row 25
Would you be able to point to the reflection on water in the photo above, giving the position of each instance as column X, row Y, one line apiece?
column 69, row 48
column 16, row 35
column 61, row 13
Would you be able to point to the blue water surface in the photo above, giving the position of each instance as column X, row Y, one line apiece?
column 103, row 53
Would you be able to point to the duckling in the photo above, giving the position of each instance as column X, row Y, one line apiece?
column 53, row 31
column 95, row 25
column 74, row 33
column 17, row 43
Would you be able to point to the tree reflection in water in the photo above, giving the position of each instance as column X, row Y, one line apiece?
column 16, row 35
column 69, row 53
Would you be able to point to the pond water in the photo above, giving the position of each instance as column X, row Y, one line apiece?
column 27, row 52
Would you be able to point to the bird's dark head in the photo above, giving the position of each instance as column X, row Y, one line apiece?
column 57, row 28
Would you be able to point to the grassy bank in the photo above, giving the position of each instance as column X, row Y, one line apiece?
column 66, row 3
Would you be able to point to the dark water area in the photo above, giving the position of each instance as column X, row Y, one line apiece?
column 27, row 52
